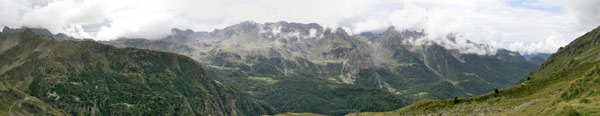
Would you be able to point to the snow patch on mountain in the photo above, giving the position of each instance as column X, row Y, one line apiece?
column 452, row 42
column 312, row 33
column 278, row 31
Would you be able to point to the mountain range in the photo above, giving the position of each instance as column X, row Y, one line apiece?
column 293, row 66
column 281, row 67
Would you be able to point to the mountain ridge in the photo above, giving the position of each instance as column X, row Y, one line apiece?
column 127, row 81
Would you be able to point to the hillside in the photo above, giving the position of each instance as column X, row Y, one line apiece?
column 259, row 57
column 42, row 76
column 566, row 84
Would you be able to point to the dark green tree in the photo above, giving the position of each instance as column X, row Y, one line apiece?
column 456, row 100
column 496, row 92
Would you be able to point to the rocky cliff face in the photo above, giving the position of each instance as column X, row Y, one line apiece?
column 89, row 78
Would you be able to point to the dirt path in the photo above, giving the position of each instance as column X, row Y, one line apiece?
column 16, row 102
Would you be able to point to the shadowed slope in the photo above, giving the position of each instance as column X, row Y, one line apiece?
column 89, row 78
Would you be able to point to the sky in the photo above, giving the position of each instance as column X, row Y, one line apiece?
column 526, row 26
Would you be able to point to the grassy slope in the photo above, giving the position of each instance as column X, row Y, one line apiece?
column 299, row 114
column 16, row 102
column 567, row 84
column 296, row 94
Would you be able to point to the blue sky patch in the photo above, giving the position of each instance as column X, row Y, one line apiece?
column 531, row 4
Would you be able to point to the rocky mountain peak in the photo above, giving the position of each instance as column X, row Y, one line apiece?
column 6, row 29
column 177, row 31
column 39, row 31
column 390, row 29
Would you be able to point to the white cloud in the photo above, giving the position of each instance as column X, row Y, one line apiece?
column 548, row 46
column 11, row 12
column 524, row 28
